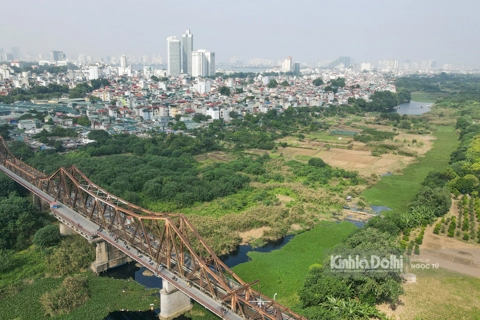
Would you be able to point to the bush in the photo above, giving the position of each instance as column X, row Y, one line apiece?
column 48, row 236
column 417, row 249
column 73, row 254
column 466, row 237
column 71, row 294
column 6, row 260
column 436, row 230
column 316, row 162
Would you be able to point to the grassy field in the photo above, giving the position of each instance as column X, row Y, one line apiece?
column 396, row 191
column 440, row 294
column 22, row 287
column 106, row 295
column 283, row 271
column 424, row 97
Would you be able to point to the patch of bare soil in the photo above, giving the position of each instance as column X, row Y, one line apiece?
column 253, row 234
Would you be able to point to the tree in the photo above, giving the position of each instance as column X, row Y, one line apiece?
column 317, row 162
column 83, row 121
column 154, row 78
column 233, row 114
column 6, row 260
column 98, row 135
column 318, row 287
column 272, row 83
column 317, row 82
column 19, row 221
column 285, row 83
column 58, row 145
column 224, row 91
column 48, row 236
column 5, row 131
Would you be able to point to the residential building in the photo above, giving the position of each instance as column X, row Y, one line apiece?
column 203, row 63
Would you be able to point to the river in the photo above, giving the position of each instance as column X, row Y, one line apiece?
column 414, row 108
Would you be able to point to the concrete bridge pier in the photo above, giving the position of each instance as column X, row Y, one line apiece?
column 107, row 257
column 66, row 230
column 173, row 302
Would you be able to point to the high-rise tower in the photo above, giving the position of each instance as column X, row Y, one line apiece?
column 187, row 49
column 173, row 56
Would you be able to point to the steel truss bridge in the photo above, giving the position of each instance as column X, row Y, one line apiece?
column 166, row 243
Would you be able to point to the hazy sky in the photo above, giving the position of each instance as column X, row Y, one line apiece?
column 366, row 30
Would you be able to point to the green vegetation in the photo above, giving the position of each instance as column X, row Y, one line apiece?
column 317, row 82
column 48, row 236
column 397, row 191
column 424, row 97
column 105, row 295
column 282, row 271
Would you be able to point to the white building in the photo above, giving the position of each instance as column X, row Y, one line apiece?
column 123, row 61
column 203, row 63
column 203, row 87
column 187, row 48
column 287, row 65
column 93, row 73
column 211, row 62
column 173, row 56
column 213, row 112
column 199, row 64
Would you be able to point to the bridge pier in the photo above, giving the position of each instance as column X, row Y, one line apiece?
column 173, row 302
column 66, row 230
column 107, row 257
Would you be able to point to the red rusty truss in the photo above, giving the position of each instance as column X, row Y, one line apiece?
column 169, row 239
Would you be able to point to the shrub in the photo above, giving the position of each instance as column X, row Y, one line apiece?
column 436, row 230
column 71, row 294
column 73, row 254
column 48, row 236
column 458, row 233
column 466, row 237
column 417, row 249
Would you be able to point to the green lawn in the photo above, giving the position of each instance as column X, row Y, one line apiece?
column 424, row 97
column 283, row 271
column 397, row 191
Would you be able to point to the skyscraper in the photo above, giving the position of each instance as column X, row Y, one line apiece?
column 187, row 48
column 173, row 56
column 211, row 62
column 15, row 53
column 57, row 56
column 123, row 61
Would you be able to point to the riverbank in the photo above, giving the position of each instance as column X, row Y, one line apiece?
column 283, row 271
column 396, row 191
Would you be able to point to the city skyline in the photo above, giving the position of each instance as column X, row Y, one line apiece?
column 367, row 32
